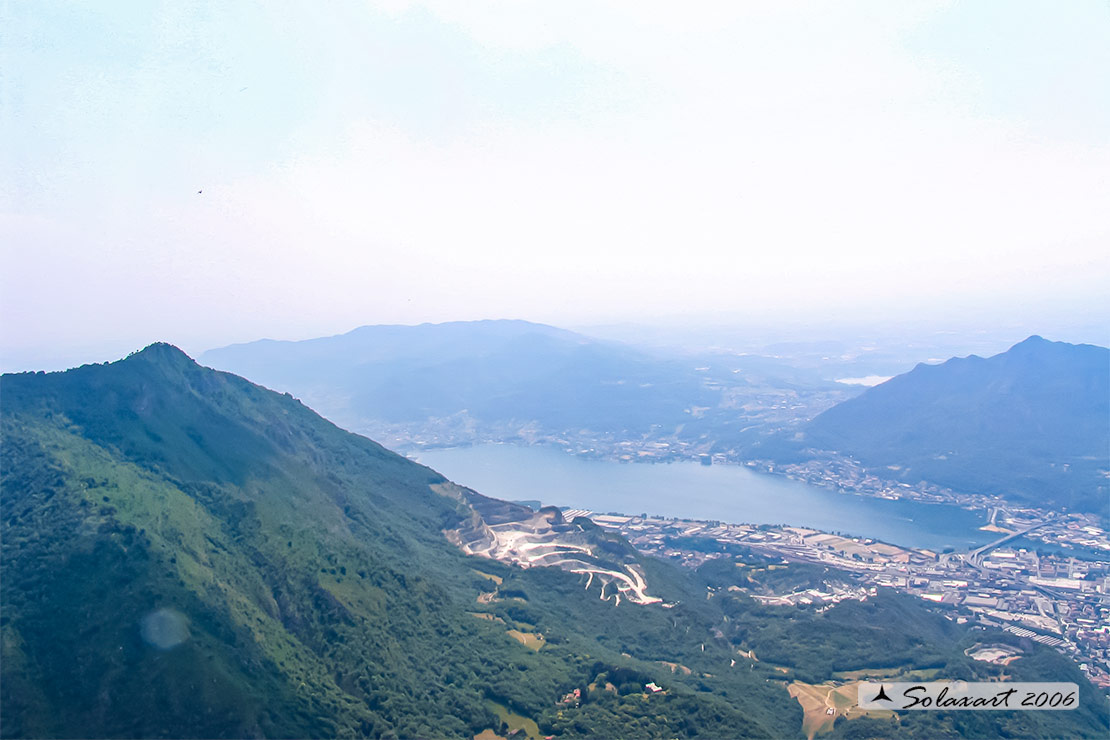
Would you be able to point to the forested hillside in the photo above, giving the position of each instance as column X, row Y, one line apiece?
column 1029, row 424
column 186, row 554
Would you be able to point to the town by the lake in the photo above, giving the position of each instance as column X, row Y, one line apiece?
column 1050, row 596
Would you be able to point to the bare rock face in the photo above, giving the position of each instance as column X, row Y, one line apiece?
column 515, row 534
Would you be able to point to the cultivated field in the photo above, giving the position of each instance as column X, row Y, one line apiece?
column 823, row 703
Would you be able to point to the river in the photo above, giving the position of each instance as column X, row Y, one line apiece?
column 688, row 490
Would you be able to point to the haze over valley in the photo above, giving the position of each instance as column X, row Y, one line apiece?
column 466, row 382
column 519, row 371
column 1027, row 425
column 316, row 584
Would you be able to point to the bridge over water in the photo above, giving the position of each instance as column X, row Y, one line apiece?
column 975, row 557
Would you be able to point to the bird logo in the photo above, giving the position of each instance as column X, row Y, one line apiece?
column 881, row 696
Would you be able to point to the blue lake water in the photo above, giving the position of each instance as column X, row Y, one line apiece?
column 729, row 493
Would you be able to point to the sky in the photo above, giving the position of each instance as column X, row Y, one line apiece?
column 209, row 172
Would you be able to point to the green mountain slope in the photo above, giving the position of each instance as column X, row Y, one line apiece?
column 308, row 567
column 185, row 554
column 153, row 483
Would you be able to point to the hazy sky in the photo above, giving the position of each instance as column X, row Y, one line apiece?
column 567, row 162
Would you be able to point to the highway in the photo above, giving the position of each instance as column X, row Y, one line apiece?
column 975, row 557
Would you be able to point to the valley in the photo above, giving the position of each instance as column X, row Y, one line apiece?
column 188, row 554
column 1022, row 427
column 418, row 369
column 1052, row 599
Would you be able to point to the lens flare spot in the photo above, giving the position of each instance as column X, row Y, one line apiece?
column 165, row 629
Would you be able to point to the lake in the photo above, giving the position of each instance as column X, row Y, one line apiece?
column 688, row 490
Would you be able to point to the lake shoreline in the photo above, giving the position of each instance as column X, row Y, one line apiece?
column 688, row 490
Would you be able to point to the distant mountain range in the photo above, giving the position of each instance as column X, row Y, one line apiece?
column 1031, row 424
column 464, row 381
column 186, row 554
column 489, row 370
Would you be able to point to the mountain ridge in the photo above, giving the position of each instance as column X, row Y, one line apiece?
column 1033, row 417
column 489, row 374
column 307, row 567
column 187, row 554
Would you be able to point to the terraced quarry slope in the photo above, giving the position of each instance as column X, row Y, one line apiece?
column 515, row 534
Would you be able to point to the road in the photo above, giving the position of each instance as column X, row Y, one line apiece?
column 975, row 557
